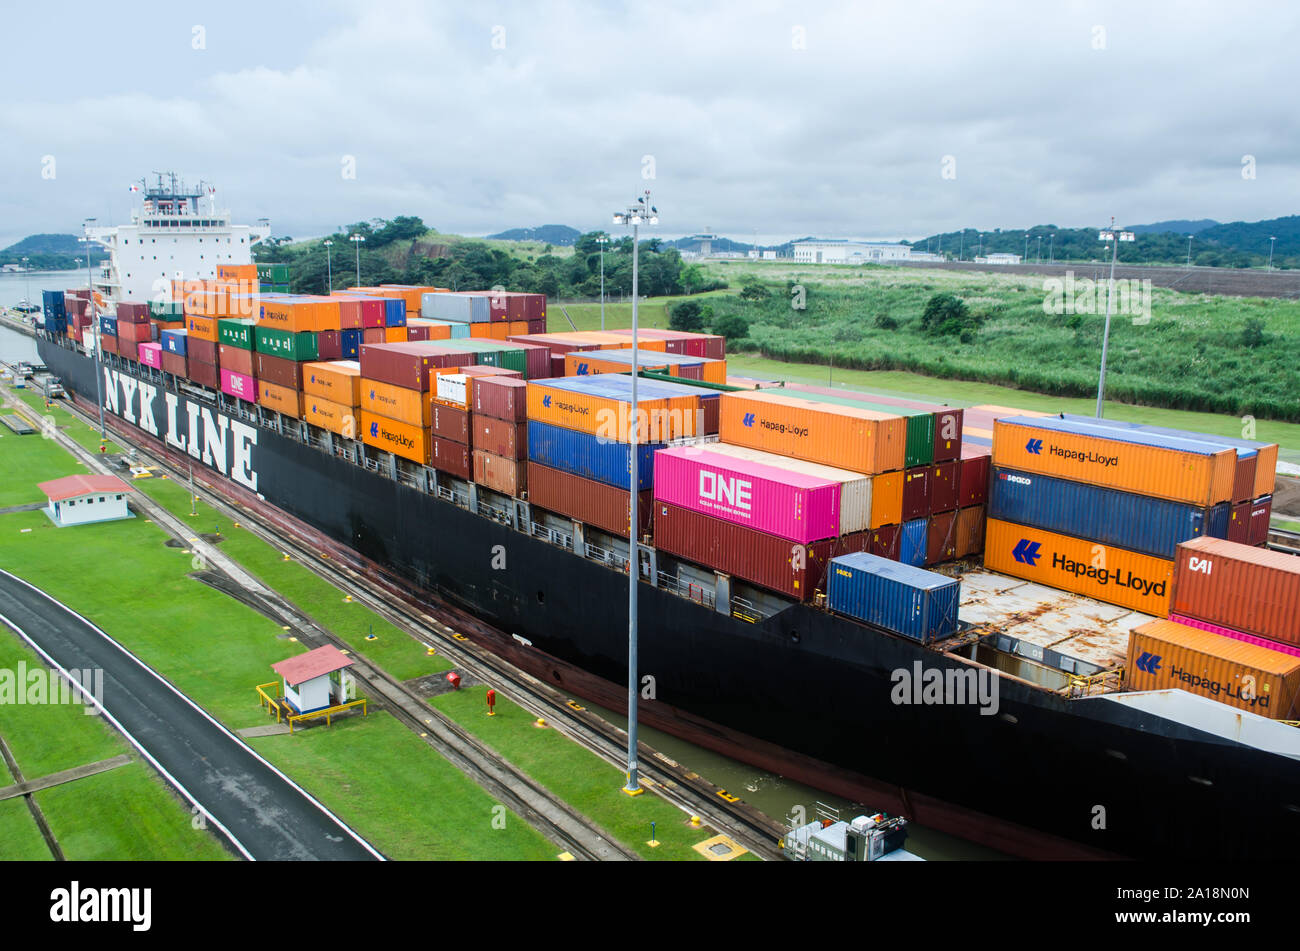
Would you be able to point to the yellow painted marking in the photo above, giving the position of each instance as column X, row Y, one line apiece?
column 459, row 637
column 565, row 857
column 343, row 651
column 575, row 705
column 653, row 843
column 632, row 792
column 720, row 848
column 728, row 796
column 293, row 639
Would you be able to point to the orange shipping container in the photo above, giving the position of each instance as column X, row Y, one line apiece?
column 294, row 315
column 395, row 335
column 500, row 474
column 1198, row 478
column 1113, row 575
column 282, row 399
column 611, row 418
column 391, row 435
column 847, row 437
column 335, row 380
column 335, row 417
column 886, row 499
column 412, row 407
column 516, row 327
column 1163, row 654
column 480, row 331
column 205, row 328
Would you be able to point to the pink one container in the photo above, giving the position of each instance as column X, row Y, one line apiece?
column 792, row 505
column 1236, row 635
column 151, row 355
column 240, row 385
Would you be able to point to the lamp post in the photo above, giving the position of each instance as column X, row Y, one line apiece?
column 979, row 252
column 329, row 267
column 602, row 240
column 1116, row 237
column 1270, row 253
column 27, row 284
column 1026, row 257
column 1040, row 249
column 99, row 353
column 639, row 211
column 357, row 240
column 1189, row 252
column 1051, row 249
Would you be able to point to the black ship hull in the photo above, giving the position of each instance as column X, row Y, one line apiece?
column 1094, row 771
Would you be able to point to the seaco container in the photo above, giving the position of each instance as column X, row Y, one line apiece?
column 602, row 405
column 1139, row 523
column 338, row 381
column 1182, row 470
column 910, row 601
column 593, row 503
column 781, row 502
column 1291, row 649
column 1164, row 654
column 1113, row 575
column 589, row 456
column 842, row 436
column 1252, row 590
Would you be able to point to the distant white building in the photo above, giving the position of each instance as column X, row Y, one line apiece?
column 849, row 252
column 999, row 258
column 925, row 256
column 81, row 499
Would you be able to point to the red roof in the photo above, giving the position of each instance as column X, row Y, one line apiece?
column 323, row 660
column 75, row 486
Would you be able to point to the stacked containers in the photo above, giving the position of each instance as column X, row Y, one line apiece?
column 580, row 363
column 332, row 396
column 1238, row 591
column 235, row 357
column 54, row 315
column 394, row 394
column 500, row 434
column 897, row 597
column 133, row 328
column 174, row 348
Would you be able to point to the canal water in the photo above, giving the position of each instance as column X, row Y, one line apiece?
column 14, row 288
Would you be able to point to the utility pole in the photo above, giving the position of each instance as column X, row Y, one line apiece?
column 602, row 241
column 329, row 268
column 1116, row 237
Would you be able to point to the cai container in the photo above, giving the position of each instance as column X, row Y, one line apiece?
column 781, row 502
column 1181, row 470
column 1139, row 523
column 586, row 500
column 338, row 381
column 500, row 437
column 1165, row 654
column 973, row 474
column 240, row 385
column 1081, row 566
column 507, row 476
column 1252, row 590
column 390, row 435
column 589, row 456
column 833, row 435
column 150, row 355
column 502, row 398
column 900, row 598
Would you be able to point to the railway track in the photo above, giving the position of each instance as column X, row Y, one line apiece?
column 449, row 633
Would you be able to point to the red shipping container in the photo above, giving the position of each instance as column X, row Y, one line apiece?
column 278, row 370
column 452, row 423
column 107, row 344
column 452, row 457
column 587, row 501
column 132, row 312
column 1239, row 523
column 173, row 363
column 403, row 364
column 128, row 349
column 205, row 351
column 970, row 531
column 1261, row 513
column 761, row 559
column 501, row 398
column 329, row 345
column 537, row 326
column 1253, row 590
column 138, row 332
column 500, row 437
column 507, row 476
column 941, row 538
column 943, row 486
column 235, row 359
column 916, row 493
column 884, row 541
column 417, row 332
column 373, row 335
column 1243, row 481
column 973, row 474
column 204, row 374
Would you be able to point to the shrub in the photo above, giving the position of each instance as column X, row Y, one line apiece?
column 1252, row 335
column 686, row 316
column 946, row 315
column 885, row 322
column 732, row 326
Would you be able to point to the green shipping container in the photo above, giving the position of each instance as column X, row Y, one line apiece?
column 166, row 310
column 286, row 343
column 273, row 273
column 236, row 332
column 920, row 423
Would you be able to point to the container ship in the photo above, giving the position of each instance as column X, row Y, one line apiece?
column 1060, row 636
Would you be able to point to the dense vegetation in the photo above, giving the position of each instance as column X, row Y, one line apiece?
column 51, row 252
column 1230, row 355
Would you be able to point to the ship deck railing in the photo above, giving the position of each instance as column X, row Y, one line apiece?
column 494, row 512
column 614, row 559
column 688, row 589
column 552, row 535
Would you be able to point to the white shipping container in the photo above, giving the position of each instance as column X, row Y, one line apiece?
column 855, row 488
column 452, row 388
column 465, row 308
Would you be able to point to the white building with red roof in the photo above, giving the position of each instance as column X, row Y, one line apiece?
column 81, row 499
column 317, row 679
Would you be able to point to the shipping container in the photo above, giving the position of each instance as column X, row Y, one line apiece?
column 349, row 344
column 914, row 542
column 137, row 333
column 507, row 476
column 466, row 308
column 294, row 315
column 278, row 370
column 1139, row 523
column 948, row 420
column 282, row 399
column 713, row 346
column 453, row 457
column 239, row 385
column 1182, row 470
column 286, row 344
column 338, row 418
column 1248, row 589
column 941, row 538
column 451, row 423
column 205, row 351
column 1261, row 514
column 108, row 325
column 1114, row 575
column 887, row 498
column 916, row 492
column 502, row 398
column 973, row 474
column 500, row 437
column 402, row 364
column 1164, row 654
column 204, row 374
column 236, row 332
column 900, row 598
column 595, row 503
column 390, row 435
column 236, row 359
column 589, row 456
column 132, row 311
column 126, row 348
column 885, row 541
column 173, row 341
column 833, row 435
column 1228, row 632
column 969, row 531
column 150, row 355
column 338, row 381
column 584, row 363
column 919, row 447
column 601, row 405
column 396, row 402
column 202, row 328
column 943, row 487
column 173, row 363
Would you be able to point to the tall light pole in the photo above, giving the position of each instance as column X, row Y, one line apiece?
column 99, row 353
column 979, row 252
column 1189, row 252
column 602, row 240
column 961, row 245
column 329, row 267
column 1040, row 249
column 27, row 284
column 1116, row 237
column 357, row 240
column 1270, row 253
column 1051, row 249
column 1026, row 257
column 639, row 211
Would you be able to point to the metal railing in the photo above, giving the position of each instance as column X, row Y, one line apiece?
column 492, row 512
column 688, row 589
column 746, row 610
column 329, row 713
column 611, row 558
column 553, row 536
column 269, row 703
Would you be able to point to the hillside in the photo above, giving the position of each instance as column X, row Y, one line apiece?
column 561, row 235
column 50, row 251
column 1181, row 226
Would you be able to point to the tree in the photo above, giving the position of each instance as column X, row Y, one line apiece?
column 947, row 315
column 1252, row 335
column 753, row 290
column 731, row 326
column 687, row 317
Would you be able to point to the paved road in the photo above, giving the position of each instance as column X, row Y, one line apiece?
column 262, row 813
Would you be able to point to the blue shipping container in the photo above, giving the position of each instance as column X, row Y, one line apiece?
column 913, row 542
column 910, row 601
column 173, row 341
column 1081, row 510
column 350, row 343
column 394, row 312
column 108, row 325
column 52, row 304
column 589, row 456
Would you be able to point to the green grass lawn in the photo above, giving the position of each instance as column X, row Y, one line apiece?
column 28, row 460
column 85, row 435
column 578, row 776
column 20, row 840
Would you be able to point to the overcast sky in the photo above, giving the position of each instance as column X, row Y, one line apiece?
column 789, row 119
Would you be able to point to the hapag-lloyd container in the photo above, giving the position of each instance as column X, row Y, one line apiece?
column 857, row 500
column 282, row 399
column 1164, row 654
column 336, row 417
column 781, row 502
column 401, row 439
column 594, row 503
column 1236, row 635
column 338, row 381
column 1182, row 470
column 238, row 384
column 1252, row 590
column 919, row 449
column 948, row 420
column 589, row 456
column 828, row 433
column 151, row 355
column 1113, row 575
column 910, row 601
column 1139, row 523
